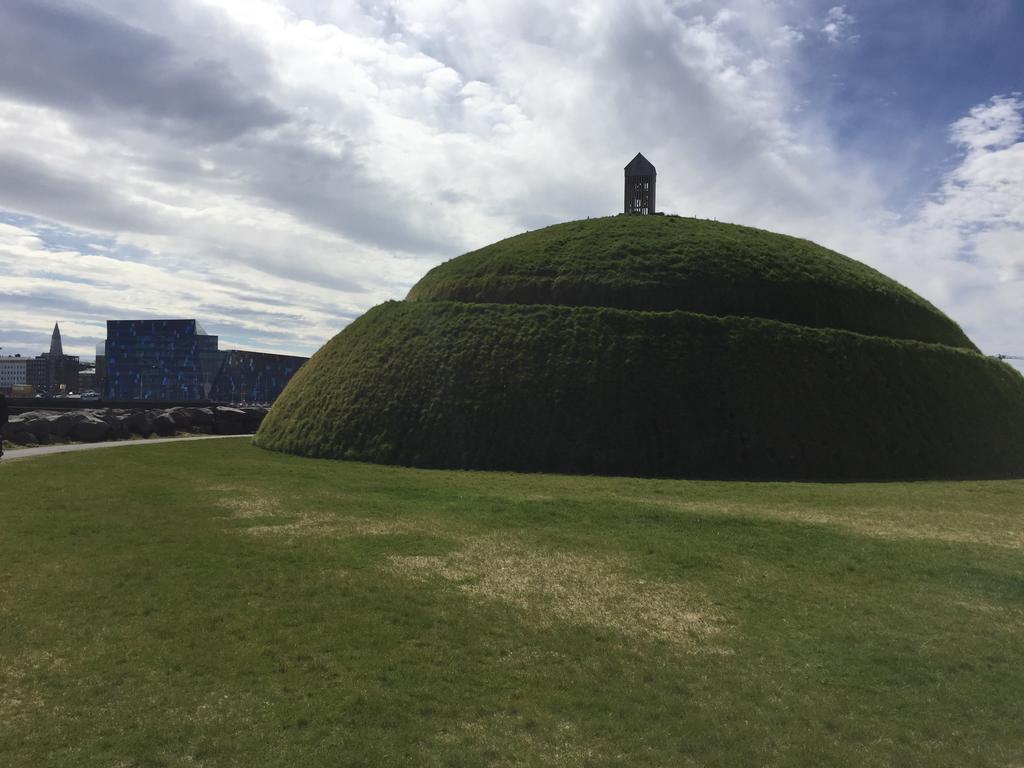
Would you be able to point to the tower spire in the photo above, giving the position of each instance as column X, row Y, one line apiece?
column 56, row 348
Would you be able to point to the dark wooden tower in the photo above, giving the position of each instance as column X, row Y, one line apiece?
column 641, row 178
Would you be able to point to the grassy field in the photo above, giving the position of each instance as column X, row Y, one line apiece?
column 213, row 604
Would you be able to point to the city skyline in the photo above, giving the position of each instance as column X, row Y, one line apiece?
column 277, row 168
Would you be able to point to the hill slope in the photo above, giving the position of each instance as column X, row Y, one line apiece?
column 658, row 346
column 665, row 263
column 608, row 391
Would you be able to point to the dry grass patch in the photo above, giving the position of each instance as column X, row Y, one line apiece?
column 327, row 524
column 247, row 507
column 19, row 698
column 582, row 589
column 507, row 738
column 318, row 523
column 934, row 524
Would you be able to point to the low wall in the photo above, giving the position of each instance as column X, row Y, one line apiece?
column 91, row 425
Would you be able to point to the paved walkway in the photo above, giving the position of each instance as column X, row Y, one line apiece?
column 45, row 450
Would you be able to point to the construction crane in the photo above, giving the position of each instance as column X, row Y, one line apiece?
column 1008, row 357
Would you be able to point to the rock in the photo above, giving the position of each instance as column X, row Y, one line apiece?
column 64, row 422
column 36, row 422
column 112, row 418
column 180, row 417
column 21, row 437
column 94, row 424
column 90, row 429
column 164, row 424
column 230, row 421
column 118, row 423
column 13, row 427
column 140, row 423
column 199, row 419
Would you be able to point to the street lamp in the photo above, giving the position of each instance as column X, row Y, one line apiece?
column 142, row 378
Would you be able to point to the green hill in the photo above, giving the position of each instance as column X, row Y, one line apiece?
column 658, row 346
column 666, row 263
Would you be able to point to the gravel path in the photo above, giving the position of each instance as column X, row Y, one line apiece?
column 45, row 450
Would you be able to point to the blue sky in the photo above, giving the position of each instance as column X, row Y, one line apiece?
column 906, row 72
column 274, row 168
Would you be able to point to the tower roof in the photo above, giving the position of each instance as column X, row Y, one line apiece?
column 640, row 166
column 56, row 348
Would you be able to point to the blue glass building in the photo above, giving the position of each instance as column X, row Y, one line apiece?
column 253, row 377
column 160, row 360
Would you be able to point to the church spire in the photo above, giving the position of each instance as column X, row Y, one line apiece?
column 56, row 348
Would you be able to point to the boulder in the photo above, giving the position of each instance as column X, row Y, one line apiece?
column 180, row 417
column 21, row 437
column 118, row 422
column 199, row 419
column 231, row 421
column 62, row 423
column 140, row 423
column 164, row 424
column 90, row 430
column 13, row 427
column 37, row 422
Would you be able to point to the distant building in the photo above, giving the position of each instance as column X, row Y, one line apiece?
column 87, row 380
column 253, row 377
column 37, row 373
column 101, row 367
column 178, row 360
column 13, row 373
column 56, row 345
column 641, row 180
column 160, row 360
column 60, row 371
column 52, row 372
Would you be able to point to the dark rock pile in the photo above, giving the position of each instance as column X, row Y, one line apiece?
column 97, row 424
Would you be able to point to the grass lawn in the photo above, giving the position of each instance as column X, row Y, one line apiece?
column 213, row 604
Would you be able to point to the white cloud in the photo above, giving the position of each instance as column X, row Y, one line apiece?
column 995, row 125
column 986, row 187
column 964, row 249
column 337, row 150
column 838, row 23
column 82, row 289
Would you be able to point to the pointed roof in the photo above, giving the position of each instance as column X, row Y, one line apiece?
column 56, row 348
column 640, row 166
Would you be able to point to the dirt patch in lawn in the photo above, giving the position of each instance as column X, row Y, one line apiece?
column 283, row 522
column 581, row 589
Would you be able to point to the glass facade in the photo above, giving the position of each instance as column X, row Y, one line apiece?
column 253, row 377
column 160, row 360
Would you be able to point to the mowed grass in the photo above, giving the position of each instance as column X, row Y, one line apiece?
column 215, row 604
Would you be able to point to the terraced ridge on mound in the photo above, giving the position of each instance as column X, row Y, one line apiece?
column 665, row 263
column 501, row 360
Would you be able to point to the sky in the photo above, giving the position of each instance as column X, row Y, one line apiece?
column 274, row 168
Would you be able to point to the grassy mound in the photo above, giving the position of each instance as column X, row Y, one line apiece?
column 665, row 263
column 608, row 391
column 658, row 346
